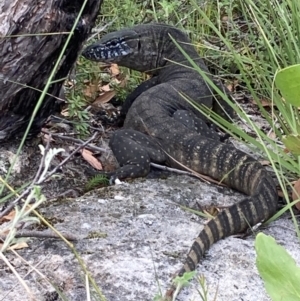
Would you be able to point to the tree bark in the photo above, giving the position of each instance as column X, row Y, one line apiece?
column 32, row 35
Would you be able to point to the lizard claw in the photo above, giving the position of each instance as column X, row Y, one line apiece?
column 116, row 181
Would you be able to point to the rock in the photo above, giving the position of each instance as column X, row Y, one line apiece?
column 143, row 235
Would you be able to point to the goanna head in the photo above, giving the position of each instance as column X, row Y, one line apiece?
column 140, row 48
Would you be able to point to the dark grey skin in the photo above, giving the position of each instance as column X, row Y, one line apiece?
column 162, row 127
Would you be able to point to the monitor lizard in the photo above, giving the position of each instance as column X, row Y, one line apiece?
column 162, row 127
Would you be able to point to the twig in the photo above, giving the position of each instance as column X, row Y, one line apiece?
column 98, row 29
column 75, row 140
column 38, row 174
column 73, row 193
column 164, row 167
column 72, row 122
column 42, row 234
column 192, row 173
column 67, row 159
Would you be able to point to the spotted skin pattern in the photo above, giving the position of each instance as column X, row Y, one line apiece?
column 115, row 48
column 138, row 150
column 162, row 127
column 135, row 154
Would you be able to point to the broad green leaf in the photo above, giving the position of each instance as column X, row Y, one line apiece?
column 287, row 81
column 277, row 269
column 292, row 143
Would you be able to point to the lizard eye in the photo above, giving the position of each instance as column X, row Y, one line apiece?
column 114, row 43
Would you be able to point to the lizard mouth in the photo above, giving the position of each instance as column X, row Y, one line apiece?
column 108, row 51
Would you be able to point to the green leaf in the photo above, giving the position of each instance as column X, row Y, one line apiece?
column 184, row 279
column 287, row 81
column 277, row 269
column 292, row 143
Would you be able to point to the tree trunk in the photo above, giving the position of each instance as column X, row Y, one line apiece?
column 32, row 35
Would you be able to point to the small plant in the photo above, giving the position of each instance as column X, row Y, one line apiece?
column 179, row 282
column 76, row 111
column 169, row 7
column 132, row 80
column 204, row 290
column 182, row 281
column 98, row 180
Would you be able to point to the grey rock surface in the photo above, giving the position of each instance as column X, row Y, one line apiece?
column 146, row 236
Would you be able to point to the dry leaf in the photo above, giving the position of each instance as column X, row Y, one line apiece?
column 46, row 138
column 70, row 84
column 114, row 69
column 272, row 135
column 264, row 102
column 280, row 193
column 122, row 83
column 4, row 232
column 88, row 156
column 18, row 246
column 90, row 91
column 10, row 216
column 104, row 98
column 212, row 210
column 117, row 82
column 264, row 162
column 296, row 193
column 105, row 88
column 232, row 85
column 65, row 112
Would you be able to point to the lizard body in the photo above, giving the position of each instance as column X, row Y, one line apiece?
column 162, row 127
